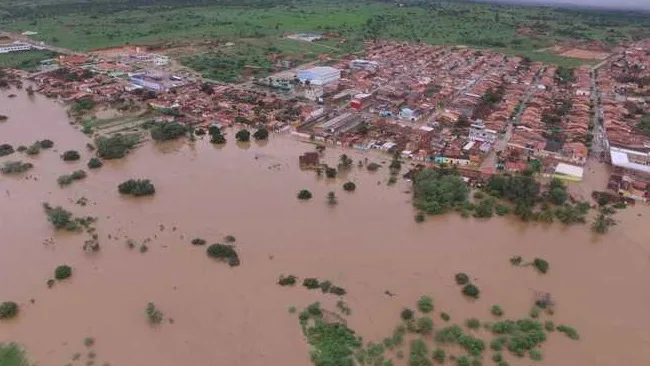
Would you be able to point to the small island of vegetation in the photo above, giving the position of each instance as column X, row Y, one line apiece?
column 137, row 187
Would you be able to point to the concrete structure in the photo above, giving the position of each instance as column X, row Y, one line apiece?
column 319, row 75
column 364, row 65
column 478, row 132
column 408, row 114
column 156, row 81
column 15, row 46
column 307, row 37
column 568, row 172
column 630, row 162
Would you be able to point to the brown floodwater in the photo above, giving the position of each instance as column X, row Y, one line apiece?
column 368, row 244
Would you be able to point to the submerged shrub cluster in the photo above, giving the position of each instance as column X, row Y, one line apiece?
column 8, row 310
column 67, row 179
column 224, row 253
column 14, row 167
column 137, row 187
column 324, row 286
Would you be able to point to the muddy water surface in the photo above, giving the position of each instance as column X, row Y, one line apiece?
column 368, row 243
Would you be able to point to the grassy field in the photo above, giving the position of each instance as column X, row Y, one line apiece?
column 27, row 60
column 512, row 27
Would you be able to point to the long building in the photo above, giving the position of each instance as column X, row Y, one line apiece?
column 15, row 47
column 319, row 75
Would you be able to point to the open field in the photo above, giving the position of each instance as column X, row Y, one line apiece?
column 521, row 29
column 27, row 61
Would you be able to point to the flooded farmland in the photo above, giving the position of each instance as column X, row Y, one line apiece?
column 368, row 243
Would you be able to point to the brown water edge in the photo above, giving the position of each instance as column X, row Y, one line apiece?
column 368, row 243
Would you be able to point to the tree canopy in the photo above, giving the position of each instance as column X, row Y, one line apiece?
column 436, row 193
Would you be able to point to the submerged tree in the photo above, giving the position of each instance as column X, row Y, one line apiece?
column 331, row 198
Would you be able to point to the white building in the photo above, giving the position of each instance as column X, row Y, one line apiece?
column 15, row 47
column 319, row 75
column 364, row 65
column 478, row 132
column 160, row 60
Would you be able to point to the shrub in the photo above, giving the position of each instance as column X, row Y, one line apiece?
column 463, row 361
column 496, row 310
column 339, row 291
column 444, row 316
column 261, row 134
column 6, row 149
column 139, row 187
column 311, row 283
column 62, row 272
column 8, row 310
column 516, row 260
column 406, row 314
column 373, row 167
column 89, row 341
column 471, row 291
column 325, row 286
column 64, row 180
column 78, row 174
column 425, row 304
column 534, row 312
column 330, row 172
column 95, row 163
column 14, row 167
column 420, row 217
column 46, row 144
column 59, row 217
column 462, row 278
column 34, row 149
column 497, row 357
column 71, row 155
column 535, row 355
column 304, row 194
column 154, row 315
column 424, row 325
column 115, row 146
column 472, row 323
column 50, row 283
column 541, row 265
column 20, row 148
column 198, row 241
column 568, row 331
column 479, row 195
column 199, row 132
column 230, row 239
column 439, row 355
column 419, row 354
column 218, row 139
column 349, row 186
column 502, row 210
column 224, row 253
column 243, row 135
column 549, row 326
column 144, row 248
column 166, row 131
column 289, row 280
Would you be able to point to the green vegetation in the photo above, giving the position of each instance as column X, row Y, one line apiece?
column 568, row 331
column 15, row 167
column 473, row 323
column 516, row 260
column 198, row 241
column 62, row 272
column 95, row 163
column 407, row 314
column 6, row 149
column 81, row 106
column 243, row 135
column 115, row 146
column 34, row 149
column 436, row 193
column 137, row 187
column 535, row 355
column 419, row 353
column 89, row 341
column 12, row 355
column 65, row 180
column 424, row 325
column 461, row 278
column 444, row 316
column 471, row 291
column 332, row 343
column 46, row 144
column 330, row 172
column 154, row 315
column 261, row 134
column 425, row 304
column 420, row 217
column 602, row 223
column 349, row 186
column 304, row 194
column 496, row 310
column 224, row 253
column 541, row 265
column 60, row 218
column 165, row 131
column 27, row 61
column 289, row 280
column 8, row 310
column 71, row 155
column 439, row 355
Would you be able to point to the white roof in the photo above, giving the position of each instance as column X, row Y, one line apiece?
column 620, row 159
column 426, row 128
column 571, row 170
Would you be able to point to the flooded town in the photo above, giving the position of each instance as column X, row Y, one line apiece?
column 404, row 176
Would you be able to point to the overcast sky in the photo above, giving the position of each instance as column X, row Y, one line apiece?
column 616, row 4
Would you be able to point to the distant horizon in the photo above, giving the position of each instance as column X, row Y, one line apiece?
column 622, row 5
